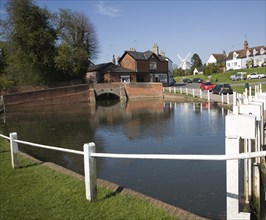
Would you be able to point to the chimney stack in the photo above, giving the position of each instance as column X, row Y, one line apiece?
column 245, row 45
column 155, row 49
column 113, row 60
column 162, row 53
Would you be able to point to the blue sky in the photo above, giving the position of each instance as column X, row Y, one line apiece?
column 178, row 27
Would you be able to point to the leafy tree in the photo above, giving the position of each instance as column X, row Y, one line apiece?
column 41, row 47
column 211, row 69
column 71, row 61
column 195, row 61
column 181, row 72
column 32, row 43
column 77, row 42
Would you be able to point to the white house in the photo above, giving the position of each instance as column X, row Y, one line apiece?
column 198, row 70
column 216, row 58
column 240, row 59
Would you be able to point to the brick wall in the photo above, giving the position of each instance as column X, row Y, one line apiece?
column 82, row 93
column 144, row 90
column 49, row 96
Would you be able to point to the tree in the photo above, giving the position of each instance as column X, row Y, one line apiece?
column 32, row 43
column 77, row 36
column 43, row 47
column 195, row 61
column 72, row 62
column 211, row 69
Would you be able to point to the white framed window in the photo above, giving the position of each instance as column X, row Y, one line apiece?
column 125, row 78
column 153, row 65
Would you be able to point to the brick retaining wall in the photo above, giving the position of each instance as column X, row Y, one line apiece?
column 144, row 90
column 81, row 93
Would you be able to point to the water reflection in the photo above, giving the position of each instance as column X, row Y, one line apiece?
column 150, row 126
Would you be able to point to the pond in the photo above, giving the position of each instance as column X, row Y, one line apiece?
column 141, row 127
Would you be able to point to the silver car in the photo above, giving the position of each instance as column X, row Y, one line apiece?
column 256, row 75
column 236, row 77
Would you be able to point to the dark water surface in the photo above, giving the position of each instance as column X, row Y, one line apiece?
column 154, row 127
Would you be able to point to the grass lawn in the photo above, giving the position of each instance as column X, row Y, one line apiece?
column 34, row 191
column 225, row 77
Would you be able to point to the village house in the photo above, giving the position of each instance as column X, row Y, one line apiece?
column 246, row 58
column 109, row 72
column 216, row 58
column 134, row 66
column 198, row 70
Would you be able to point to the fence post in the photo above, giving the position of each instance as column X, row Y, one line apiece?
column 90, row 171
column 208, row 95
column 14, row 149
column 193, row 92
column 228, row 101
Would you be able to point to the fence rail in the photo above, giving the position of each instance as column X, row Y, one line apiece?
column 89, row 153
column 182, row 157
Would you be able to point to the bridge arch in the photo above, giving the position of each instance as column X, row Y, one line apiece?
column 109, row 91
column 107, row 95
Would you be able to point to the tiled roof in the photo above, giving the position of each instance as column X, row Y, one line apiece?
column 243, row 53
column 220, row 57
column 108, row 67
column 142, row 55
column 200, row 69
column 99, row 67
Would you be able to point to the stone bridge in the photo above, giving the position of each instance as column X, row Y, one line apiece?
column 115, row 89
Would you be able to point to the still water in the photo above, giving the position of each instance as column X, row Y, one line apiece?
column 153, row 127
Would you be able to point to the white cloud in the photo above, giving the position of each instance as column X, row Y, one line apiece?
column 104, row 9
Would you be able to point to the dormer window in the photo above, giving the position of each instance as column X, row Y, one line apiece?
column 262, row 51
column 153, row 65
column 235, row 55
column 254, row 52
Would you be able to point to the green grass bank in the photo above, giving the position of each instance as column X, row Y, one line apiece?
column 35, row 191
column 225, row 77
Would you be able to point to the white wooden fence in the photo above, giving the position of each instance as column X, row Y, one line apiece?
column 90, row 155
column 227, row 99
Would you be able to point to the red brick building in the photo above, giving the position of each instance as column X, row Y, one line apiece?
column 133, row 66
column 109, row 72
column 148, row 66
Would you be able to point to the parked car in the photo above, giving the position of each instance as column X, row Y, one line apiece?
column 197, row 80
column 256, row 75
column 236, row 77
column 207, row 86
column 172, row 82
column 222, row 89
column 187, row 80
